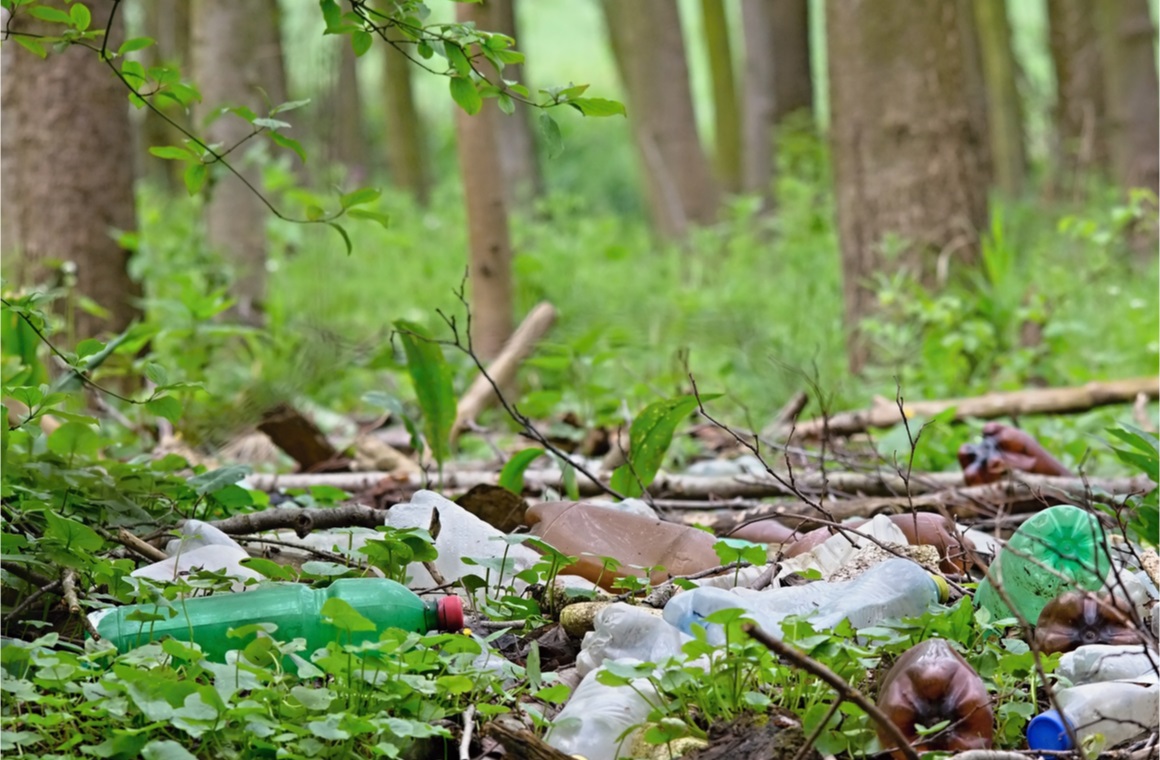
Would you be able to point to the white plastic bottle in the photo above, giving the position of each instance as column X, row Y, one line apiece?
column 595, row 718
column 893, row 589
column 622, row 630
column 1119, row 710
column 1093, row 663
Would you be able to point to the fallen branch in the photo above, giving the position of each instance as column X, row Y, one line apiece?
column 68, row 584
column 989, row 406
column 846, row 692
column 137, row 546
column 303, row 521
column 521, row 744
column 783, row 421
column 503, row 369
column 298, row 436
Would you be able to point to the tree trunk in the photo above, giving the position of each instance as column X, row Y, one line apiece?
column 1127, row 38
column 778, row 81
column 909, row 144
column 167, row 22
column 237, row 57
column 406, row 151
column 487, row 219
column 68, row 175
column 650, row 54
column 1004, row 107
column 348, row 143
column 1081, row 130
column 727, row 118
column 517, row 142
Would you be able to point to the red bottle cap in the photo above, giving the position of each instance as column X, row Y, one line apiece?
column 449, row 610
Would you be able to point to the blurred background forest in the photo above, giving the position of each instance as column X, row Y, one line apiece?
column 957, row 196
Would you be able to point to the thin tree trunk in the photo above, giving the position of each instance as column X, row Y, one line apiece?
column 406, row 151
column 650, row 53
column 1081, row 132
column 909, row 144
column 167, row 22
column 349, row 140
column 517, row 142
column 489, row 240
column 1127, row 38
column 1004, row 107
column 237, row 61
column 67, row 175
column 727, row 117
column 778, row 82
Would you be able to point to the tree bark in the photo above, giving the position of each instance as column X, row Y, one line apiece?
column 726, row 115
column 67, row 175
column 650, row 54
column 237, row 60
column 406, row 150
column 167, row 22
column 1004, row 107
column 1081, row 130
column 348, row 142
column 909, row 141
column 517, row 143
column 1127, row 38
column 489, row 240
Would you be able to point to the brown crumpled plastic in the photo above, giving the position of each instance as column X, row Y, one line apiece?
column 1002, row 450
column 1077, row 618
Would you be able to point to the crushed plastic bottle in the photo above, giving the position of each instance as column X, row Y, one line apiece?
column 1004, row 449
column 1065, row 539
column 1107, row 662
column 1119, row 710
column 1076, row 618
column 295, row 608
column 919, row 528
column 893, row 589
column 596, row 715
column 590, row 533
column 624, row 630
column 930, row 683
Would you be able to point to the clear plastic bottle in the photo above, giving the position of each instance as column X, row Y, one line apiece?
column 1107, row 662
column 1065, row 539
column 930, row 683
column 1119, row 710
column 591, row 532
column 892, row 589
column 596, row 716
column 295, row 608
column 622, row 630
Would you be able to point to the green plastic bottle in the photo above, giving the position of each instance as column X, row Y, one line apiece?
column 295, row 608
column 1064, row 538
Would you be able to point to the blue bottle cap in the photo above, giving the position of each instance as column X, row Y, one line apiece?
column 1048, row 731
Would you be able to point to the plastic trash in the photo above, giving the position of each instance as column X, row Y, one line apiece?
column 623, row 630
column 893, row 589
column 930, row 683
column 201, row 546
column 919, row 529
column 1004, row 449
column 296, row 609
column 837, row 553
column 589, row 532
column 1076, row 618
column 1066, row 540
column 596, row 715
column 461, row 534
column 1107, row 662
column 1118, row 709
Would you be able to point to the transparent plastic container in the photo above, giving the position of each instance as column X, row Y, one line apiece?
column 1120, row 710
column 892, row 589
column 295, row 608
column 596, row 716
column 1065, row 539
column 1106, row 662
column 622, row 630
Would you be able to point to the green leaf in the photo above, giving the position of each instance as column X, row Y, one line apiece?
column 512, row 475
column 171, row 152
column 137, row 43
column 331, row 14
column 464, row 93
column 341, row 615
column 80, row 15
column 283, row 141
column 74, row 438
column 360, row 197
column 156, row 373
column 314, row 213
column 165, row 749
column 215, row 480
column 32, row 46
column 195, row 177
column 458, row 60
column 360, row 42
column 431, row 377
column 649, row 439
column 165, row 406
column 551, row 132
column 598, row 107
column 72, row 533
column 374, row 216
column 270, row 569
column 345, row 237
column 55, row 15
column 506, row 104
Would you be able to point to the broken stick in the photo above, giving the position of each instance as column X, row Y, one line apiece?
column 502, row 370
column 990, row 406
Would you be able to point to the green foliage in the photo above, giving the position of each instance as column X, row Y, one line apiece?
column 432, row 382
column 1140, row 515
column 511, row 476
column 649, row 439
